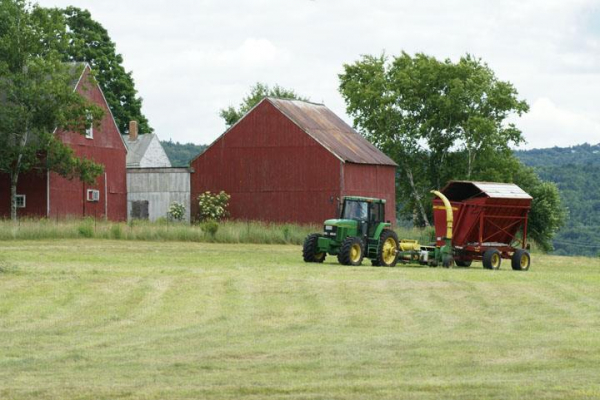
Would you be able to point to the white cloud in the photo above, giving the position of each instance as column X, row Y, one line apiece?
column 547, row 124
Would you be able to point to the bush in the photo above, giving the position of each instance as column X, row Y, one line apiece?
column 176, row 211
column 213, row 206
column 210, row 227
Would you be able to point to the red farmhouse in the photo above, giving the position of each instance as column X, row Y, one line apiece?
column 46, row 194
column 290, row 161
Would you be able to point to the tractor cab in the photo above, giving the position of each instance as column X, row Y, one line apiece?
column 366, row 212
column 360, row 231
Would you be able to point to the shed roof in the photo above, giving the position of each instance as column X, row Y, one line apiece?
column 461, row 190
column 137, row 148
column 331, row 132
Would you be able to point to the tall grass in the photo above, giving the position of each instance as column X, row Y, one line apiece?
column 227, row 231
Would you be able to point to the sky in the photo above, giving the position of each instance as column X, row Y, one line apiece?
column 192, row 58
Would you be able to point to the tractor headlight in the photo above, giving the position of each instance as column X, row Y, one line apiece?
column 330, row 231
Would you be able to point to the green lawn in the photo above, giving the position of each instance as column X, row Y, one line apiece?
column 100, row 319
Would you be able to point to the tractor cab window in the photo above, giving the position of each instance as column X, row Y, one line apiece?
column 376, row 212
column 355, row 210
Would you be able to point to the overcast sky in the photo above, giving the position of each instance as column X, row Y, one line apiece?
column 192, row 58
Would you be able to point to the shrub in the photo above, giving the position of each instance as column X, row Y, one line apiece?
column 213, row 206
column 176, row 211
column 210, row 227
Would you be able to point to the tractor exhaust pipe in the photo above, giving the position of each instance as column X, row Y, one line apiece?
column 449, row 214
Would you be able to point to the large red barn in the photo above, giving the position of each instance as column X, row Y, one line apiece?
column 290, row 161
column 46, row 194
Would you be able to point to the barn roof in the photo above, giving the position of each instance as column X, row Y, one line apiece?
column 331, row 132
column 461, row 190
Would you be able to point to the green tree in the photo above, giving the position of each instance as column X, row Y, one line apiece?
column 231, row 115
column 37, row 97
column 88, row 41
column 441, row 120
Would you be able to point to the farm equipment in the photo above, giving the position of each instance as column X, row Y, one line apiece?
column 473, row 221
column 361, row 231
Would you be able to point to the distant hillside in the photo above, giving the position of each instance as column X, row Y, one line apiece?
column 584, row 154
column 181, row 154
column 576, row 171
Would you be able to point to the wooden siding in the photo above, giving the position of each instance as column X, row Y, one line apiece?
column 272, row 169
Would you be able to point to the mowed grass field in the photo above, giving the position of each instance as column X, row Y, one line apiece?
column 102, row 319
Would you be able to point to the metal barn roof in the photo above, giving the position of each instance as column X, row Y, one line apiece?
column 460, row 190
column 331, row 132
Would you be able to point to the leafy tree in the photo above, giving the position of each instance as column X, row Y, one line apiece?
column 423, row 112
column 231, row 115
column 36, row 96
column 88, row 41
column 440, row 121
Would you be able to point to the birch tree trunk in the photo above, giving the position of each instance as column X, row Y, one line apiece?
column 417, row 197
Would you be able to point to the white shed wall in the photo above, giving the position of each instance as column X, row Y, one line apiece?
column 160, row 187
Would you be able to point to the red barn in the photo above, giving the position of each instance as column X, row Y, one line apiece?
column 46, row 194
column 290, row 161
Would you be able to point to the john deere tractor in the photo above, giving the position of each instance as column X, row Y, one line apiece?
column 361, row 231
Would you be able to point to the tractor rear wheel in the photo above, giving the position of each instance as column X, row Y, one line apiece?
column 491, row 259
column 310, row 250
column 387, row 252
column 520, row 260
column 351, row 251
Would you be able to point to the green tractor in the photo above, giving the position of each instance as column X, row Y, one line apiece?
column 361, row 231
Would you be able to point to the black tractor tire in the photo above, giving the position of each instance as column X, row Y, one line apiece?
column 447, row 261
column 463, row 263
column 310, row 249
column 520, row 260
column 384, row 257
column 491, row 259
column 351, row 251
column 375, row 263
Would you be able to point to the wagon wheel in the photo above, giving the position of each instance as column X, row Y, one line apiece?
column 463, row 263
column 310, row 249
column 351, row 252
column 520, row 260
column 491, row 259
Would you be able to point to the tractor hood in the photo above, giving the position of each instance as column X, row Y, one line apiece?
column 345, row 223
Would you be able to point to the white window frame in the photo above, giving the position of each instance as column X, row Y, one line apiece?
column 23, row 198
column 89, row 132
column 93, row 195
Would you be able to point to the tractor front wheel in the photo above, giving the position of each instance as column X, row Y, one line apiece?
column 351, row 252
column 310, row 250
column 491, row 259
column 387, row 252
column 521, row 260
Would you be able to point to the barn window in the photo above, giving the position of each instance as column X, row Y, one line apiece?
column 21, row 200
column 89, row 131
column 93, row 195
column 139, row 209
